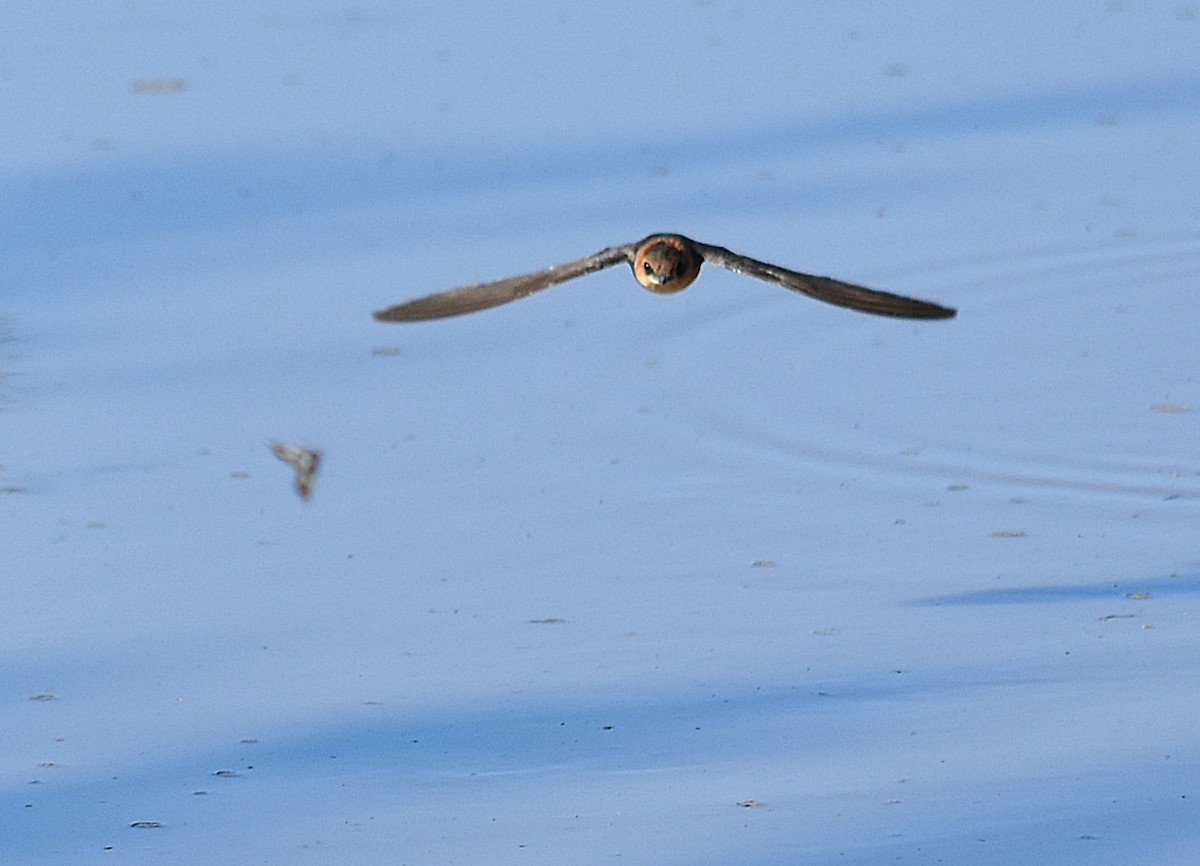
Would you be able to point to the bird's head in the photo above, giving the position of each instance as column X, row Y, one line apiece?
column 666, row 263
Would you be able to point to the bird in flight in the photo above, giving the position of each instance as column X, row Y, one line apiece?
column 304, row 461
column 664, row 264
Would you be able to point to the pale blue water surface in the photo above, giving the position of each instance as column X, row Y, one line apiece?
column 723, row 577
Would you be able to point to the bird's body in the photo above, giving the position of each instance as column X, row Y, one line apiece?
column 664, row 264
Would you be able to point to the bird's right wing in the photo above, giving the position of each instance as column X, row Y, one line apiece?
column 480, row 296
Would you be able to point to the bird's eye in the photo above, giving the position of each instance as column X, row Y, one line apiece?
column 647, row 268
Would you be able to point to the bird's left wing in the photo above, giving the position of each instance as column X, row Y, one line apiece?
column 826, row 288
column 480, row 296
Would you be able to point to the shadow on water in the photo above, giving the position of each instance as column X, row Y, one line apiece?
column 115, row 198
column 1172, row 585
column 404, row 762
column 575, row 762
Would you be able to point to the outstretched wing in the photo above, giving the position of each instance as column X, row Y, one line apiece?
column 480, row 296
column 826, row 289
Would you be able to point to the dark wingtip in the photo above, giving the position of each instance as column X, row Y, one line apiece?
column 911, row 308
column 412, row 311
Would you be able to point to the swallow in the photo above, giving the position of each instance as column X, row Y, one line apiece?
column 664, row 264
column 304, row 461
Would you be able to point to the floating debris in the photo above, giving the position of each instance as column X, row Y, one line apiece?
column 304, row 460
column 158, row 85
